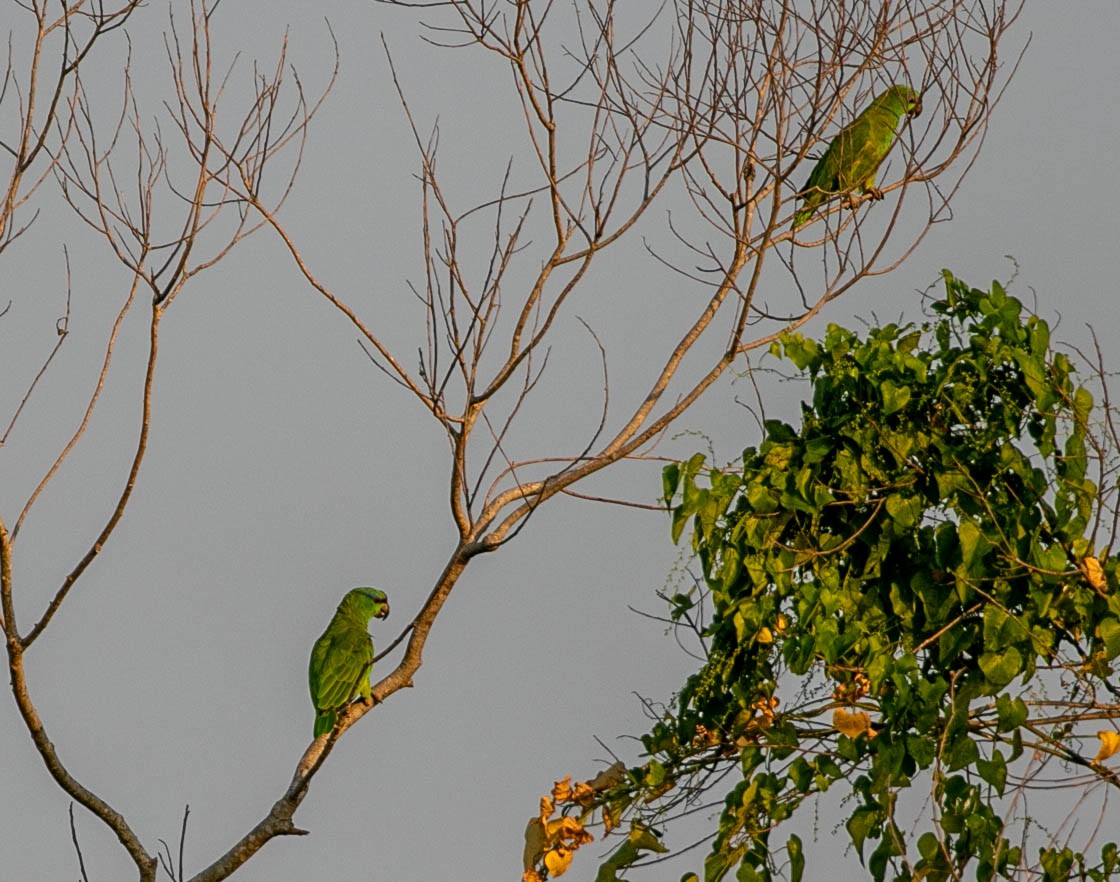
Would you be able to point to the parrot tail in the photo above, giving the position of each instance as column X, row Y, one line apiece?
column 324, row 722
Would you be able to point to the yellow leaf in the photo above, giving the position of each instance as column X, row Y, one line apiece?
column 765, row 635
column 1094, row 575
column 534, row 844
column 766, row 708
column 554, row 829
column 608, row 778
column 1110, row 743
column 562, row 790
column 852, row 691
column 853, row 725
column 564, row 828
column 701, row 735
column 531, row 876
column 582, row 794
column 558, row 860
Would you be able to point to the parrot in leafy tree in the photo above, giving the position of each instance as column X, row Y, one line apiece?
column 342, row 658
column 851, row 160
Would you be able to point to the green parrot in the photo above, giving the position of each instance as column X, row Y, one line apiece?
column 342, row 658
column 855, row 154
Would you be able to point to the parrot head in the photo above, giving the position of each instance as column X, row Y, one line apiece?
column 905, row 99
column 373, row 601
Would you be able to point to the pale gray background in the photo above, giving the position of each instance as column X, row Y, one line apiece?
column 283, row 469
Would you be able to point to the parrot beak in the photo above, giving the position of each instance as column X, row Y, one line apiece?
column 916, row 110
column 384, row 611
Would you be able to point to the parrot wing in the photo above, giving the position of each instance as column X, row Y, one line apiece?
column 339, row 671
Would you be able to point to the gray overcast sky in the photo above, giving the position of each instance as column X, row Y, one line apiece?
column 284, row 469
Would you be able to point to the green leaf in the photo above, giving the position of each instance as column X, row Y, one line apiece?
column 973, row 547
column 829, row 769
column 889, row 846
column 1056, row 863
column 996, row 620
column 962, row 753
column 864, row 821
column 762, row 499
column 641, row 838
column 994, row 771
column 818, row 448
column 895, row 397
column 796, row 858
column 748, row 873
column 1109, row 632
column 1000, row 668
column 717, row 863
column 905, row 511
column 680, row 520
column 1011, row 713
column 801, row 774
column 801, row 351
column 922, row 749
column 928, row 846
column 670, row 480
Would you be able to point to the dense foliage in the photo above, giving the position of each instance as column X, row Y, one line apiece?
column 907, row 591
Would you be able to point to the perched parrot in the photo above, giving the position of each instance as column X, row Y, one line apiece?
column 341, row 659
column 855, row 154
